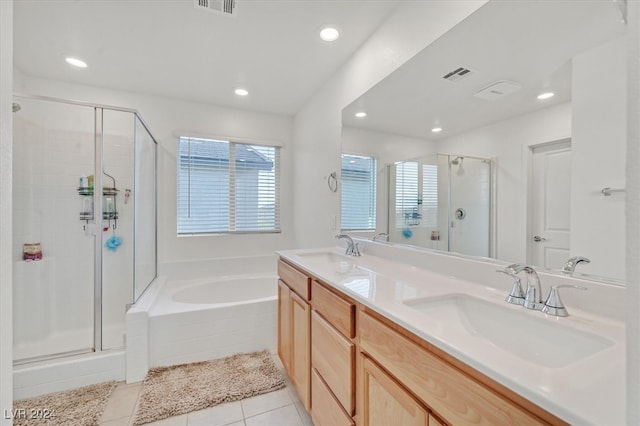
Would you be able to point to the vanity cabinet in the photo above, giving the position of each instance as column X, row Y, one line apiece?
column 294, row 322
column 351, row 365
column 333, row 355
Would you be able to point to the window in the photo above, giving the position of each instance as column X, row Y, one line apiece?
column 358, row 193
column 416, row 195
column 227, row 187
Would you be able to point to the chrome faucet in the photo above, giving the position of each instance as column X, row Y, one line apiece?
column 553, row 305
column 352, row 248
column 381, row 234
column 532, row 295
column 571, row 264
column 516, row 295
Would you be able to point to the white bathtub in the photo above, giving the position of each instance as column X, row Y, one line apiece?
column 209, row 318
column 226, row 290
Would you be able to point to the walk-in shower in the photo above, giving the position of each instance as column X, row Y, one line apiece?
column 443, row 202
column 71, row 160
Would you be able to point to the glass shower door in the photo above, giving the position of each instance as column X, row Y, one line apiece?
column 52, row 296
column 470, row 205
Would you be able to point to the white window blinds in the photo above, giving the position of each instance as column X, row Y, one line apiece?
column 227, row 187
column 416, row 195
column 358, row 210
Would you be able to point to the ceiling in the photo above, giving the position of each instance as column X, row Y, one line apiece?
column 527, row 42
column 170, row 48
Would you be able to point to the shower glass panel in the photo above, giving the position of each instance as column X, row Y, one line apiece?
column 53, row 297
column 441, row 202
column 84, row 192
column 145, row 209
column 118, row 129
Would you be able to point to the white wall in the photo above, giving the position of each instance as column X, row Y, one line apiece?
column 167, row 119
column 317, row 126
column 507, row 141
column 6, row 143
column 632, row 296
column 598, row 146
column 387, row 149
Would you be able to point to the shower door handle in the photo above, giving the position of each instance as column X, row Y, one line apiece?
column 538, row 238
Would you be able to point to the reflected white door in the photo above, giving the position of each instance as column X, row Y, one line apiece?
column 548, row 237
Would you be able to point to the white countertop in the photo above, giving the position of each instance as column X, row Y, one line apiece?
column 588, row 391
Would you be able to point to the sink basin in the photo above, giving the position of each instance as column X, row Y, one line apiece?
column 325, row 256
column 536, row 339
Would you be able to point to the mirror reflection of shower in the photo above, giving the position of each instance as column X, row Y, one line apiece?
column 427, row 196
column 458, row 162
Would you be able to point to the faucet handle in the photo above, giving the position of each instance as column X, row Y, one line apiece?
column 553, row 305
column 570, row 265
column 516, row 295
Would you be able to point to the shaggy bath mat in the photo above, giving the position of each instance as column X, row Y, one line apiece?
column 180, row 389
column 77, row 407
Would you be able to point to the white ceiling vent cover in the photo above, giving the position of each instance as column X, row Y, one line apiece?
column 497, row 90
column 224, row 6
column 458, row 74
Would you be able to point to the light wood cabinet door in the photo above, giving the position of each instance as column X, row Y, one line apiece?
column 333, row 356
column 326, row 410
column 386, row 403
column 284, row 325
column 300, row 363
column 434, row 421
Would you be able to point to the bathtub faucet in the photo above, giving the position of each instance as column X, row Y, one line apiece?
column 352, row 248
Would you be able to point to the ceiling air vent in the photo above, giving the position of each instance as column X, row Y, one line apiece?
column 224, row 6
column 458, row 74
column 497, row 90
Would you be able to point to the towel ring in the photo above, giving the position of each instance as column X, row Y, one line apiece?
column 332, row 181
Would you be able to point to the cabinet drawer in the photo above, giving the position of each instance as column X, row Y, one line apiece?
column 339, row 312
column 325, row 410
column 333, row 356
column 449, row 392
column 296, row 280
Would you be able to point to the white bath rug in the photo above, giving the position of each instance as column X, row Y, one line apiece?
column 180, row 389
column 77, row 407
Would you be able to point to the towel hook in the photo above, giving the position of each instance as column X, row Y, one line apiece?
column 332, row 182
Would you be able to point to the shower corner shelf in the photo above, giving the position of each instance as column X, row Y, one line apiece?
column 110, row 215
column 105, row 191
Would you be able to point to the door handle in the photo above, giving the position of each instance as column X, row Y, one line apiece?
column 538, row 238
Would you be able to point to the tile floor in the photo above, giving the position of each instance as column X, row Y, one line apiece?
column 278, row 408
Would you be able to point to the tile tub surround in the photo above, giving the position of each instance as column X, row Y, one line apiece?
column 589, row 391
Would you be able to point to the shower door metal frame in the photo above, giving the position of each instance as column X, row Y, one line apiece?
column 98, row 204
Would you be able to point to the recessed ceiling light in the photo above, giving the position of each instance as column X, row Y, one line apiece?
column 329, row 34
column 241, row 92
column 76, row 62
column 436, row 129
column 546, row 95
column 361, row 114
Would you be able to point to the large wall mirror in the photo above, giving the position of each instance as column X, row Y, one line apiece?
column 510, row 174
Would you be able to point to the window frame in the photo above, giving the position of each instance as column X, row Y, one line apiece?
column 232, row 181
column 372, row 194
